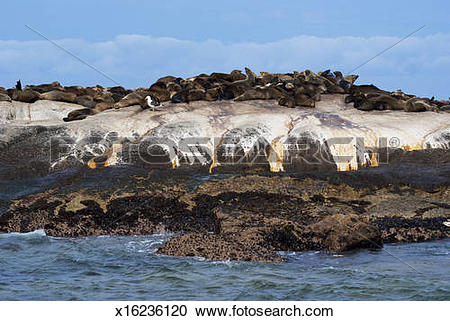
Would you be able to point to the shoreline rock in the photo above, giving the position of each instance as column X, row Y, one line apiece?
column 246, row 218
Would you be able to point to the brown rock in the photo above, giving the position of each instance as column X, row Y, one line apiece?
column 341, row 232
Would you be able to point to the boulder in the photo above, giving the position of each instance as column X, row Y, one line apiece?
column 339, row 233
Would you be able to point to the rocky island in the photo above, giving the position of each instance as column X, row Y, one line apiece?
column 236, row 166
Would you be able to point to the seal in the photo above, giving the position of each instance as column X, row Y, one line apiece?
column 79, row 114
column 159, row 90
column 86, row 101
column 262, row 93
column 26, row 95
column 196, row 94
column 180, row 97
column 56, row 95
column 43, row 88
column 130, row 100
column 416, row 105
column 4, row 97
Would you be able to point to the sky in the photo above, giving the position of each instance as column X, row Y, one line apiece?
column 134, row 42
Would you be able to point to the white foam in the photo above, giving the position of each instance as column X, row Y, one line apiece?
column 39, row 232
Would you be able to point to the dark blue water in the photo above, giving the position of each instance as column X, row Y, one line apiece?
column 36, row 267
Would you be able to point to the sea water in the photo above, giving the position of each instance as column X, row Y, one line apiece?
column 34, row 266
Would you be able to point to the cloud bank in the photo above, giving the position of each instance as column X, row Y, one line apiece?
column 418, row 65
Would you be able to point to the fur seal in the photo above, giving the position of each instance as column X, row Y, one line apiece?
column 103, row 106
column 196, row 94
column 263, row 93
column 416, row 105
column 26, row 95
column 4, row 97
column 287, row 101
column 237, row 75
column 118, row 92
column 180, row 97
column 77, row 90
column 79, row 114
column 249, row 80
column 159, row 90
column 19, row 85
column 45, row 87
column 56, row 95
column 213, row 94
column 303, row 100
column 130, row 100
column 166, row 79
column 221, row 77
column 86, row 101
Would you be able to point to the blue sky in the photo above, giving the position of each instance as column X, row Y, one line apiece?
column 137, row 41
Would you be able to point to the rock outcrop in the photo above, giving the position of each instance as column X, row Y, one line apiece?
column 247, row 218
column 358, row 170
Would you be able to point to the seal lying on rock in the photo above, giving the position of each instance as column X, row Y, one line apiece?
column 369, row 97
column 26, row 95
column 56, row 95
column 45, row 87
column 86, row 101
column 79, row 114
column 4, row 97
column 417, row 104
column 264, row 93
column 130, row 100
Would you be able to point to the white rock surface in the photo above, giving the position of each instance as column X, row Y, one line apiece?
column 250, row 119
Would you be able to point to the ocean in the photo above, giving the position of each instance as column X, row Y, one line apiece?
column 34, row 266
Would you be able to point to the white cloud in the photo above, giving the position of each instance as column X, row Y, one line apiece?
column 420, row 65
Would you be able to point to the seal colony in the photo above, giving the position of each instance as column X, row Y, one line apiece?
column 296, row 89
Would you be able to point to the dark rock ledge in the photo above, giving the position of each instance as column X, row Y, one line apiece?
column 246, row 218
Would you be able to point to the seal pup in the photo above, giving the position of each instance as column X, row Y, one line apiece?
column 151, row 102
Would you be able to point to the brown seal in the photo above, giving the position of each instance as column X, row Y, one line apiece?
column 56, row 95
